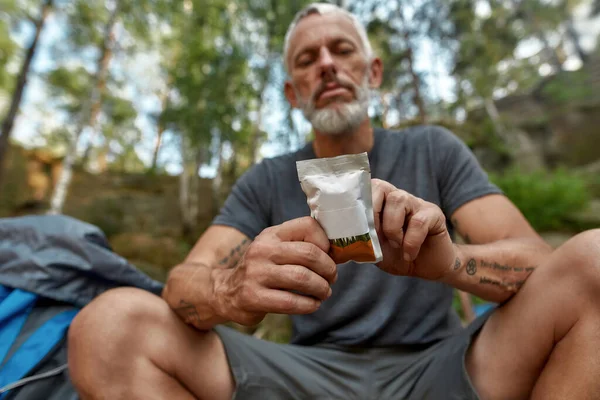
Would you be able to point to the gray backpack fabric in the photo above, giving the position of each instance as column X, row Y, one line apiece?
column 66, row 263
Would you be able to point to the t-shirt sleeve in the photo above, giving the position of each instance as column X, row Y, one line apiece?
column 460, row 176
column 247, row 207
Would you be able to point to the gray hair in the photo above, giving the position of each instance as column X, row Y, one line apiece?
column 320, row 9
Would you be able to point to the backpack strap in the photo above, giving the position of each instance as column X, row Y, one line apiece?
column 4, row 292
column 14, row 310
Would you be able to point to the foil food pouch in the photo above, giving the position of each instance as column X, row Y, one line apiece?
column 338, row 192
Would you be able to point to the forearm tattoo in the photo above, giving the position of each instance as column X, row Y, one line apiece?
column 234, row 256
column 512, row 281
column 511, row 286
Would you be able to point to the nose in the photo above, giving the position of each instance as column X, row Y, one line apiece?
column 326, row 64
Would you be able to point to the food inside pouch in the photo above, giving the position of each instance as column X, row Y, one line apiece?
column 338, row 192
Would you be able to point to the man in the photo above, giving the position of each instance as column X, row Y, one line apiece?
column 383, row 331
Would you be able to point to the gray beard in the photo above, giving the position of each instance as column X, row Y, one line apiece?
column 345, row 119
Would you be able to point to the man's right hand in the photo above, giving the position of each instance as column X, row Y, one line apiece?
column 286, row 270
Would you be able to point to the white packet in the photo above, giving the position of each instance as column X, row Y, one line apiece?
column 338, row 192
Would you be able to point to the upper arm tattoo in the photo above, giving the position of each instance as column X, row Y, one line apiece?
column 235, row 254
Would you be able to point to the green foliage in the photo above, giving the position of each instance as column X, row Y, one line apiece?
column 118, row 110
column 547, row 199
column 57, row 140
column 593, row 184
column 7, row 50
column 69, row 86
column 14, row 189
column 107, row 214
column 85, row 23
column 220, row 72
column 569, row 88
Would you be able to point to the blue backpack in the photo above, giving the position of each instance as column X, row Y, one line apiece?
column 50, row 268
column 28, row 340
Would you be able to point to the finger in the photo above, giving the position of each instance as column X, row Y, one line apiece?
column 281, row 302
column 397, row 205
column 378, row 194
column 304, row 229
column 307, row 255
column 419, row 226
column 299, row 279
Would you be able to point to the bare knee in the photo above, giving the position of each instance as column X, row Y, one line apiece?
column 111, row 334
column 576, row 264
column 116, row 315
column 109, row 328
column 127, row 336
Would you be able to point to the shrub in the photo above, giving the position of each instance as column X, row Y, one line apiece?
column 547, row 199
column 107, row 213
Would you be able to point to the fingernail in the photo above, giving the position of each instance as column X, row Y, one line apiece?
column 329, row 293
column 395, row 245
column 407, row 257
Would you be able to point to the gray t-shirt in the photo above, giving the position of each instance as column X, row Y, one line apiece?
column 370, row 307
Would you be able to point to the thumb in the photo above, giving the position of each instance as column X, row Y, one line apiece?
column 305, row 229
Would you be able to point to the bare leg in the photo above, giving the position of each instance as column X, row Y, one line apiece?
column 128, row 344
column 545, row 342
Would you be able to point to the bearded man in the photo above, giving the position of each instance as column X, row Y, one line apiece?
column 360, row 331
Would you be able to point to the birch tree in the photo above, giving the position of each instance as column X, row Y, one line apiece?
column 17, row 96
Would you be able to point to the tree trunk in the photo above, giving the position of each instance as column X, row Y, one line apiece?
column 575, row 39
column 9, row 120
column 293, row 136
column 160, row 131
column 188, row 190
column 62, row 186
column 217, row 183
column 415, row 80
column 157, row 145
column 416, row 83
column 233, row 167
column 184, row 189
column 550, row 53
column 467, row 306
column 103, row 63
column 385, row 112
column 255, row 138
column 494, row 115
column 195, row 187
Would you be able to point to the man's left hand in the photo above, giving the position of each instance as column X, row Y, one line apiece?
column 413, row 234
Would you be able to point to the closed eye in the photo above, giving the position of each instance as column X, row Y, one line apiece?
column 305, row 62
column 345, row 50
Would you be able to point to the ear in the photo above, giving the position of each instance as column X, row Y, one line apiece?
column 375, row 73
column 290, row 94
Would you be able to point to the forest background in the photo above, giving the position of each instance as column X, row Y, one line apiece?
column 138, row 116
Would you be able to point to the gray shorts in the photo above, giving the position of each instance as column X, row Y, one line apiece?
column 264, row 370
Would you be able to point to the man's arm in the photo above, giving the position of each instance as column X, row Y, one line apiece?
column 285, row 270
column 502, row 249
column 189, row 288
column 415, row 242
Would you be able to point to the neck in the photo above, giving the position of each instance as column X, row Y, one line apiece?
column 361, row 140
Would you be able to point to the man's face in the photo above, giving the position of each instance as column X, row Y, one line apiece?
column 330, row 73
